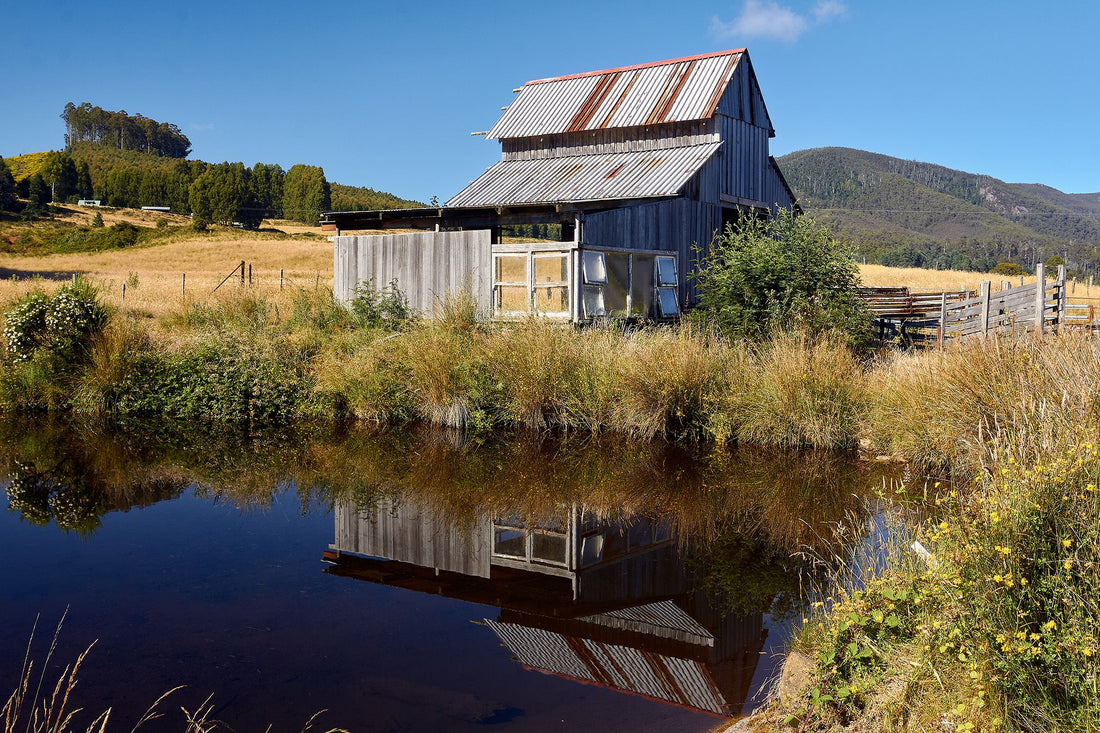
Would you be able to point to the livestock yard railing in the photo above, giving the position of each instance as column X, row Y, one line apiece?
column 923, row 317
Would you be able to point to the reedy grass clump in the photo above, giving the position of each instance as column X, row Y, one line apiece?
column 803, row 392
column 943, row 409
column 33, row 708
column 681, row 382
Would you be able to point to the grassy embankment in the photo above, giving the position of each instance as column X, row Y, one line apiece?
column 992, row 621
column 996, row 628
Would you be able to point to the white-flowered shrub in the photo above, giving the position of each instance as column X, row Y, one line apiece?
column 61, row 324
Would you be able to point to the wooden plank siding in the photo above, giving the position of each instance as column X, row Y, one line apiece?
column 408, row 533
column 617, row 140
column 427, row 267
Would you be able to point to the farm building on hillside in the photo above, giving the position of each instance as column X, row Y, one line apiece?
column 638, row 165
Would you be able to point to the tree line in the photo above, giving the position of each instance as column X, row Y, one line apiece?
column 89, row 123
column 223, row 193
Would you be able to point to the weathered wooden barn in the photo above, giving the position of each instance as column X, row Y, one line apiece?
column 640, row 166
column 608, row 602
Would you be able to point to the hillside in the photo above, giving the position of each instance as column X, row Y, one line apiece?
column 902, row 212
column 131, row 178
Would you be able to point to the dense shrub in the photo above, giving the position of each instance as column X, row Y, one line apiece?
column 217, row 381
column 61, row 325
column 765, row 276
column 1010, row 269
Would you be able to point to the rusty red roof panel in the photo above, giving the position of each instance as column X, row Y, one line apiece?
column 676, row 90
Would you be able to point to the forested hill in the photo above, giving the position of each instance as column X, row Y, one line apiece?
column 221, row 192
column 904, row 212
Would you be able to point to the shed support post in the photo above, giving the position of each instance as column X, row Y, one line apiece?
column 578, row 268
column 1040, row 296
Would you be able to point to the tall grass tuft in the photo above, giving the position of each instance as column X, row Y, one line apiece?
column 943, row 409
column 113, row 357
column 806, row 392
column 671, row 380
column 448, row 377
column 364, row 378
column 534, row 362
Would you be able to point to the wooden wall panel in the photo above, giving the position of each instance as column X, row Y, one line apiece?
column 408, row 533
column 427, row 267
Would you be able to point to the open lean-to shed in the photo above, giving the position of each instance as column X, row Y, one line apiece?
column 640, row 166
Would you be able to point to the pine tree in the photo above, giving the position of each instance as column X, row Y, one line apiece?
column 306, row 194
column 7, row 188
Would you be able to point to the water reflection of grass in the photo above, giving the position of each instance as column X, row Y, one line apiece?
column 742, row 518
column 786, row 496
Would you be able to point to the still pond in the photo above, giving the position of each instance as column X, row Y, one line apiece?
column 409, row 580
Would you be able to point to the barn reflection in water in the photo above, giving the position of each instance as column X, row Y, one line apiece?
column 600, row 600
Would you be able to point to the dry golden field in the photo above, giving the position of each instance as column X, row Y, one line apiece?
column 154, row 275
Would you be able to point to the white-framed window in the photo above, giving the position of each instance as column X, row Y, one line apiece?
column 516, row 540
column 551, row 283
column 594, row 269
column 532, row 282
column 511, row 278
column 665, row 281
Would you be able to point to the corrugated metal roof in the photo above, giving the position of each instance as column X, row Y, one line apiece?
column 680, row 681
column 676, row 90
column 663, row 618
column 637, row 174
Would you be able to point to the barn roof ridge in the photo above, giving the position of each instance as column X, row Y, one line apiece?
column 635, row 67
column 674, row 90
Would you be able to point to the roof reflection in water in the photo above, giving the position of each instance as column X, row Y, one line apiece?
column 606, row 602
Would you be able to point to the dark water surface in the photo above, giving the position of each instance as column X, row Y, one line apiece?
column 408, row 580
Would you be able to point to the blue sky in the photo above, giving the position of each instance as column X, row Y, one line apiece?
column 385, row 95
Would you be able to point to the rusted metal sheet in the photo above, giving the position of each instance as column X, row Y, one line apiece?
column 676, row 90
column 663, row 619
column 630, row 175
column 679, row 681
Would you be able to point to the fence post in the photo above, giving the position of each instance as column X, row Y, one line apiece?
column 280, row 279
column 1040, row 296
column 123, row 292
column 943, row 319
column 1061, row 296
column 242, row 273
column 985, row 288
column 183, row 289
column 249, row 274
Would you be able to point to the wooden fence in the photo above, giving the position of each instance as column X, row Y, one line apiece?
column 924, row 317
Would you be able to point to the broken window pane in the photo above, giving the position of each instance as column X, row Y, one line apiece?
column 510, row 542
column 551, row 268
column 641, row 289
column 666, row 271
column 593, row 301
column 595, row 270
column 549, row 548
column 552, row 300
column 511, row 269
column 618, row 282
column 512, row 299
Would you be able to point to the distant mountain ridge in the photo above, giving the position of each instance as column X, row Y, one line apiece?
column 905, row 212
